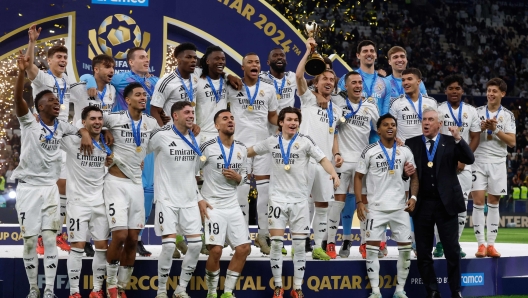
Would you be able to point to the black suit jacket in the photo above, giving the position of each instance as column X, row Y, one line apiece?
column 448, row 154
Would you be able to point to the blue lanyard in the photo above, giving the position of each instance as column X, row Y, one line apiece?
column 330, row 112
column 136, row 131
column 286, row 155
column 96, row 144
column 458, row 121
column 217, row 94
column 194, row 145
column 419, row 111
column 52, row 133
column 60, row 92
column 150, row 90
column 352, row 112
column 488, row 116
column 252, row 98
column 101, row 95
column 227, row 162
column 390, row 162
column 368, row 90
column 279, row 91
column 398, row 85
column 430, row 156
column 189, row 92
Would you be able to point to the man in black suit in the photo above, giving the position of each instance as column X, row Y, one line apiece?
column 440, row 198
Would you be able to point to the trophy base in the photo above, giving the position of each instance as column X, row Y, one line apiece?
column 315, row 65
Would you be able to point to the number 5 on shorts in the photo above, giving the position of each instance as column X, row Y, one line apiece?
column 111, row 210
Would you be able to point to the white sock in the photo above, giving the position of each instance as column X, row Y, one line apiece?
column 461, row 222
column 165, row 263
column 334, row 215
column 403, row 265
column 189, row 262
column 50, row 258
column 478, row 223
column 437, row 236
column 31, row 260
column 74, row 264
column 311, row 209
column 231, row 279
column 99, row 269
column 242, row 195
column 211, row 278
column 111, row 274
column 319, row 225
column 492, row 223
column 124, row 275
column 373, row 267
column 63, row 201
column 276, row 259
column 262, row 207
column 363, row 228
column 299, row 260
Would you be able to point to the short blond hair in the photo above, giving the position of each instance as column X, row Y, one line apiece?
column 395, row 49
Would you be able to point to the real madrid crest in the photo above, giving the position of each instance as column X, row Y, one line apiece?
column 262, row 93
column 288, row 82
column 113, row 220
column 500, row 119
column 161, row 228
column 71, row 235
column 397, row 152
column 296, row 146
column 195, row 80
column 465, row 115
column 367, row 234
column 239, row 156
column 211, row 238
column 145, row 126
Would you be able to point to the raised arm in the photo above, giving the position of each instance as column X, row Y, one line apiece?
column 21, row 107
column 299, row 73
column 32, row 70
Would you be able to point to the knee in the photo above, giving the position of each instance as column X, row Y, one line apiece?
column 321, row 204
column 119, row 236
column 215, row 252
column 243, row 249
column 30, row 243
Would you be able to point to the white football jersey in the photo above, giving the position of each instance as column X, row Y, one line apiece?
column 385, row 191
column 45, row 81
column 126, row 156
column 85, row 173
column 80, row 99
column 287, row 93
column 290, row 186
column 353, row 134
column 252, row 126
column 316, row 124
column 175, row 168
column 494, row 150
column 40, row 160
column 409, row 124
column 169, row 90
column 207, row 105
column 217, row 190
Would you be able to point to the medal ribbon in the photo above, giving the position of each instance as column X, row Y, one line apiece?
column 101, row 95
column 488, row 116
column 136, row 131
column 55, row 124
column 330, row 112
column 352, row 112
column 430, row 156
column 194, row 145
column 368, row 90
column 189, row 90
column 142, row 81
column 458, row 122
column 217, row 94
column 390, row 162
column 398, row 86
column 252, row 98
column 419, row 111
column 60, row 92
column 106, row 149
column 227, row 162
column 286, row 155
column 279, row 91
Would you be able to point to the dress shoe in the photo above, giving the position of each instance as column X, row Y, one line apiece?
column 456, row 295
column 434, row 294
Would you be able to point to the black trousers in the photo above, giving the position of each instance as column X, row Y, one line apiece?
column 431, row 213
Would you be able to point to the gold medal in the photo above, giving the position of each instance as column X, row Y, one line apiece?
column 203, row 158
column 391, row 172
column 460, row 129
column 278, row 96
column 63, row 107
column 111, row 155
column 287, row 167
column 490, row 137
column 250, row 108
column 370, row 98
column 430, row 164
column 138, row 149
column 343, row 119
column 193, row 104
column 331, row 130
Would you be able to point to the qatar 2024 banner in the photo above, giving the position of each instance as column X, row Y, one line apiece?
column 92, row 27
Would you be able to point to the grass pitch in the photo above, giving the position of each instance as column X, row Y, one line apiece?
column 506, row 235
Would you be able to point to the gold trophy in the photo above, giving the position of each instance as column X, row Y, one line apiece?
column 315, row 64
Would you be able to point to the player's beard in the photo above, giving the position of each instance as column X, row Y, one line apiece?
column 279, row 69
column 228, row 133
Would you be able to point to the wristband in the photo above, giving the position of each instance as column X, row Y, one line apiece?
column 413, row 197
column 496, row 131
